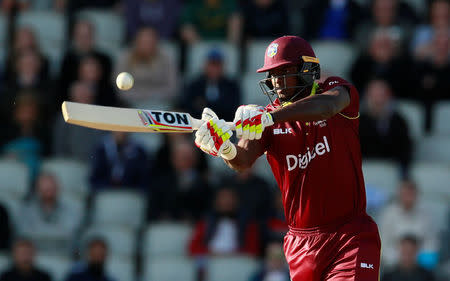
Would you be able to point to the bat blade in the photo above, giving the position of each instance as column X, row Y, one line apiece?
column 128, row 119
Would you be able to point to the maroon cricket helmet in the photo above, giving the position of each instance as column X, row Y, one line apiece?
column 286, row 51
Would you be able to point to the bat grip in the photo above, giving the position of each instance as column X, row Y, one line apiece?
column 196, row 123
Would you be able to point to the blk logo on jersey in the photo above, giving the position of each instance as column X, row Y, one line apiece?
column 282, row 131
column 302, row 161
column 367, row 265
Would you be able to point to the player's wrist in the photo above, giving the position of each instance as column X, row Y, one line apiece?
column 229, row 152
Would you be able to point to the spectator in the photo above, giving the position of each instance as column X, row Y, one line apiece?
column 406, row 216
column 181, row 191
column 26, row 137
column 28, row 75
column 383, row 59
column 170, row 141
column 274, row 267
column 49, row 220
column 24, row 40
column 210, row 19
column 433, row 72
column 10, row 6
column 337, row 19
column 90, row 71
column 439, row 19
column 274, row 13
column 94, row 269
column 154, row 72
column 407, row 269
column 83, row 44
column 66, row 137
column 5, row 227
column 247, row 184
column 161, row 14
column 23, row 267
column 393, row 15
column 383, row 131
column 119, row 162
column 224, row 231
column 212, row 89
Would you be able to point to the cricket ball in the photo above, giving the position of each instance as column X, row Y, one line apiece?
column 124, row 81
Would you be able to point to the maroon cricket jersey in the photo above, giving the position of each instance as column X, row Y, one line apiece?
column 317, row 164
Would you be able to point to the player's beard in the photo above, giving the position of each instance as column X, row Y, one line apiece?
column 295, row 95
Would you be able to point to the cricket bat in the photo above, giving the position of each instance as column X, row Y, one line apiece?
column 128, row 119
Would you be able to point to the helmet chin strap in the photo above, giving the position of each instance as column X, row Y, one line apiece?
column 291, row 100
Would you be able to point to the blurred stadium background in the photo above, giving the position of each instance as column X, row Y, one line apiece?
column 152, row 207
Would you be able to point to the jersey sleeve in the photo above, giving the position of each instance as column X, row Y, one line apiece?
column 352, row 110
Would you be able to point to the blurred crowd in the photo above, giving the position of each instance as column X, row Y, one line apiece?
column 402, row 54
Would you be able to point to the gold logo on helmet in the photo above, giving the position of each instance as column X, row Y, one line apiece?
column 272, row 50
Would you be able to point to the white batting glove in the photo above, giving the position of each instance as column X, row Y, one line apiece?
column 251, row 120
column 213, row 137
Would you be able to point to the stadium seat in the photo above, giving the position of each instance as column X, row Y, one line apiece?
column 441, row 124
column 238, row 268
column 433, row 179
column 3, row 38
column 166, row 240
column 170, row 269
column 255, row 55
column 120, row 268
column 251, row 91
column 3, row 29
column 335, row 57
column 196, row 56
column 438, row 210
column 119, row 208
column 414, row 115
column 72, row 175
column 121, row 240
column 50, row 29
column 14, row 179
column 5, row 261
column 433, row 149
column 57, row 266
column 13, row 206
column 109, row 29
column 382, row 175
column 419, row 6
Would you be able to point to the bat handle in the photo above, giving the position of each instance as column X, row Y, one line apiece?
column 196, row 123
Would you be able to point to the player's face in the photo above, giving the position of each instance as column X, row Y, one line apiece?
column 284, row 80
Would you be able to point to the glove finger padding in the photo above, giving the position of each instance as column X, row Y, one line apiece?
column 245, row 123
column 208, row 114
column 238, row 121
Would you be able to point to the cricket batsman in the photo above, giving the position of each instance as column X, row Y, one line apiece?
column 309, row 133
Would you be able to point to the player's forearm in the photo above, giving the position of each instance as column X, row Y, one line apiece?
column 246, row 154
column 317, row 107
column 241, row 162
